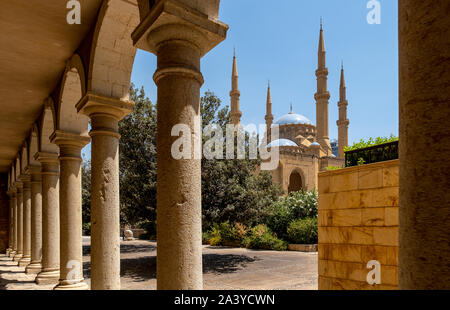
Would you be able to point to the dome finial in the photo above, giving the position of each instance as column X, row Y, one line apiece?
column 291, row 112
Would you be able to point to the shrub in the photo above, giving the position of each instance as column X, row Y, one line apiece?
column 296, row 205
column 206, row 236
column 261, row 237
column 332, row 168
column 86, row 229
column 227, row 234
column 303, row 231
column 150, row 230
column 371, row 142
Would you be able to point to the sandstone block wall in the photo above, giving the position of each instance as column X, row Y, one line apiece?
column 358, row 222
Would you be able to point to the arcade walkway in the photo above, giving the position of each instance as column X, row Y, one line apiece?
column 223, row 269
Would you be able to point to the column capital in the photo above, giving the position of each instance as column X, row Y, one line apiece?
column 174, row 20
column 45, row 157
column 35, row 172
column 25, row 179
column 97, row 105
column 63, row 138
column 18, row 186
column 33, row 169
column 11, row 193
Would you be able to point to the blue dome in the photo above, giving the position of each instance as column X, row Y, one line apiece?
column 315, row 144
column 282, row 142
column 293, row 118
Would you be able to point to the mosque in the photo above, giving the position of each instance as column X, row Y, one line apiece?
column 305, row 149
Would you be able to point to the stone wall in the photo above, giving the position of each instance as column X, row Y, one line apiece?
column 4, row 213
column 358, row 222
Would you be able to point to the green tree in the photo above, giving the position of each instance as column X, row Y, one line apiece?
column 86, row 196
column 138, row 161
column 231, row 189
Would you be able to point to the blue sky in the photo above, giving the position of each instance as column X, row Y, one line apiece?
column 278, row 40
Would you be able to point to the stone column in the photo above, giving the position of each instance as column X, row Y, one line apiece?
column 71, row 234
column 105, row 113
column 19, row 222
column 36, row 220
column 10, row 232
column 26, row 258
column 424, row 99
column 50, row 218
column 179, row 38
column 14, row 222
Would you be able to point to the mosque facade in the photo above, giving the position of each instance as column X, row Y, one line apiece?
column 305, row 148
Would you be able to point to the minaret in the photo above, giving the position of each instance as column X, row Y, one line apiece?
column 269, row 115
column 343, row 122
column 235, row 94
column 322, row 96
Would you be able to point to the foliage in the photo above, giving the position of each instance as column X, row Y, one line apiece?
column 227, row 234
column 371, row 142
column 361, row 161
column 332, row 168
column 303, row 231
column 86, row 196
column 150, row 230
column 231, row 190
column 261, row 237
column 138, row 161
column 296, row 205
column 206, row 236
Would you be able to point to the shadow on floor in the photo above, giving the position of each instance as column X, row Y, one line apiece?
column 144, row 268
column 126, row 248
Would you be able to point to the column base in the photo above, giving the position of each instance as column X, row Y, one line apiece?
column 24, row 261
column 48, row 277
column 17, row 257
column 7, row 252
column 12, row 253
column 33, row 268
column 68, row 285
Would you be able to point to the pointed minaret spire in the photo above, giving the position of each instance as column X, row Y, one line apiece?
column 322, row 96
column 343, row 122
column 322, row 53
column 235, row 94
column 269, row 101
column 269, row 116
column 342, row 88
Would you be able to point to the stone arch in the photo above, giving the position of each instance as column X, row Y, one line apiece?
column 296, row 180
column 17, row 168
column 68, row 119
column 10, row 178
column 76, row 63
column 33, row 145
column 24, row 157
column 112, row 51
column 47, row 127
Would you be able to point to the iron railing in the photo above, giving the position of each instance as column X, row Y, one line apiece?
column 372, row 154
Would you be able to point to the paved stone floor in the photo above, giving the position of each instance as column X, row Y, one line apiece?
column 223, row 268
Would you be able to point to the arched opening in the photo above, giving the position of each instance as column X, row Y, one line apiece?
column 295, row 182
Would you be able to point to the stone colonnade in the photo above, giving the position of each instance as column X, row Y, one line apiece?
column 180, row 33
column 46, row 228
